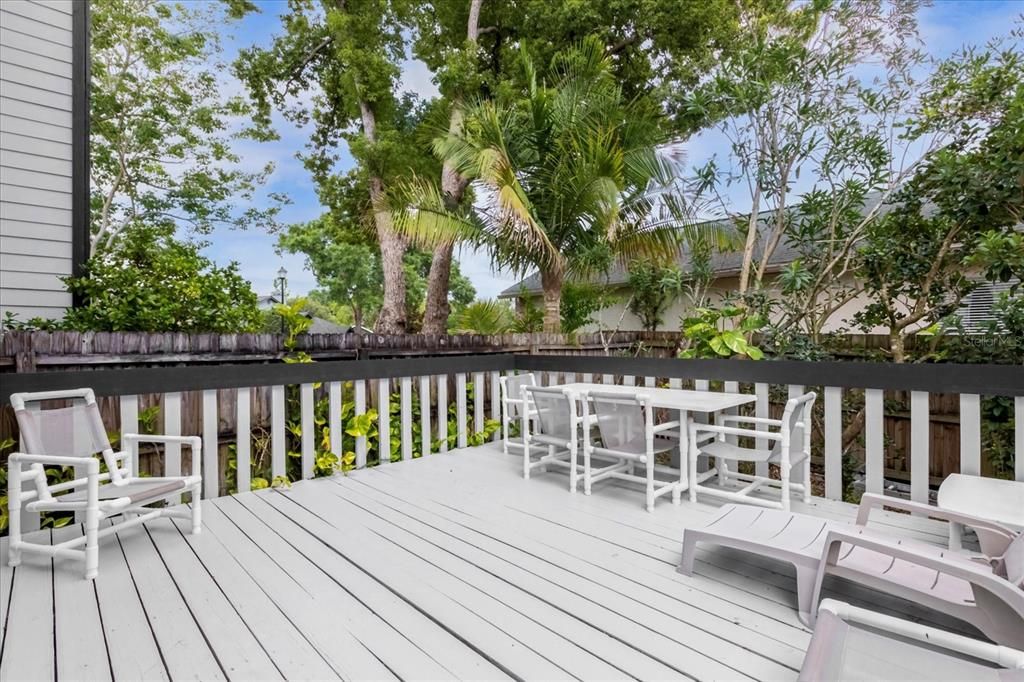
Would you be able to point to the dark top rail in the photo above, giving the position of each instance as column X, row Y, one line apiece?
column 1005, row 380
column 934, row 378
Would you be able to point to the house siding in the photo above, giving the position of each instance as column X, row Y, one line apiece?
column 36, row 156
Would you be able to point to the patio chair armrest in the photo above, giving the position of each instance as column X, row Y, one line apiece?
column 702, row 429
column 132, row 440
column 667, row 426
column 993, row 653
column 870, row 501
column 16, row 458
column 721, row 417
column 944, row 561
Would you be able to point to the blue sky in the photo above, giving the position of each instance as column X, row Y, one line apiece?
column 945, row 27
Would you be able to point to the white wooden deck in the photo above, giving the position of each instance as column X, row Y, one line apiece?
column 450, row 566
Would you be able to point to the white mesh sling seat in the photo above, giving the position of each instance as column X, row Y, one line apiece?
column 855, row 644
column 513, row 407
column 629, row 437
column 791, row 447
column 552, row 430
column 72, row 436
column 984, row 591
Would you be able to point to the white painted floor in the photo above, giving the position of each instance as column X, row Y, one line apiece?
column 450, row 566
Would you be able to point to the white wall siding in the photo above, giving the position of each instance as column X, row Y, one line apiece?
column 35, row 156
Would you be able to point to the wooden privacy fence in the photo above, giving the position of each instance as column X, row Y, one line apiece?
column 431, row 378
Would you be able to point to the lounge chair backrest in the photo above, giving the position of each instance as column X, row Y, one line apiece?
column 796, row 422
column 556, row 411
column 73, row 430
column 621, row 420
column 512, row 388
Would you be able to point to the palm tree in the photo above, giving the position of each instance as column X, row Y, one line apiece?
column 568, row 178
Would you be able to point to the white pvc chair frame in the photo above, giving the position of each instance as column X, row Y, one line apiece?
column 119, row 473
column 567, row 455
column 700, row 433
column 507, row 402
column 625, row 462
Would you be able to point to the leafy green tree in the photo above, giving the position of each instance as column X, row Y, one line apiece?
column 562, row 169
column 961, row 208
column 580, row 300
column 652, row 290
column 483, row 317
column 718, row 333
column 346, row 55
column 159, row 150
column 149, row 281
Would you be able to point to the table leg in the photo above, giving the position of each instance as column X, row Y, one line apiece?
column 680, row 459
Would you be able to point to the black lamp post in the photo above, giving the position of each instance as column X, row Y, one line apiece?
column 282, row 282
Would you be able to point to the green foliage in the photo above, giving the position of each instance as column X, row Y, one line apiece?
column 580, row 301
column 149, row 281
column 653, row 289
column 159, row 151
column 483, row 317
column 718, row 333
column 529, row 316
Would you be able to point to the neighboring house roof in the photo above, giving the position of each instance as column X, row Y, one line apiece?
column 322, row 326
column 266, row 302
column 722, row 265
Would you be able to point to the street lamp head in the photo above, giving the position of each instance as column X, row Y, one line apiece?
column 282, row 273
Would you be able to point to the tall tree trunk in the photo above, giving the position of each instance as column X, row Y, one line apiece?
column 392, row 317
column 453, row 185
column 551, row 281
column 751, row 242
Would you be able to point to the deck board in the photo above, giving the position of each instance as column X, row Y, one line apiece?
column 450, row 566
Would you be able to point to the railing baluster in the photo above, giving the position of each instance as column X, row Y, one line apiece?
column 675, row 382
column 129, row 405
column 874, row 429
column 761, row 410
column 570, row 377
column 210, row 454
column 629, row 380
column 243, row 441
column 172, row 427
column 478, row 402
column 920, row 437
column 424, row 415
column 833, row 442
column 700, row 384
column 406, row 384
column 359, row 395
column 384, row 421
column 442, row 411
column 796, row 391
column 277, row 433
column 495, row 405
column 732, row 387
column 588, row 378
column 970, row 434
column 334, row 418
column 649, row 382
column 308, row 427
column 607, row 379
column 460, row 410
column 1018, row 437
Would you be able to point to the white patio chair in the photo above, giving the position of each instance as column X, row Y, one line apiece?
column 629, row 437
column 512, row 406
column 554, row 428
column 984, row 591
column 71, row 436
column 851, row 643
column 994, row 499
column 792, row 448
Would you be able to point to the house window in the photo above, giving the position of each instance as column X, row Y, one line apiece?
column 976, row 309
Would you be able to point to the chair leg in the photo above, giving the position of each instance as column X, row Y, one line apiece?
column 691, row 464
column 573, row 472
column 587, row 473
column 786, row 474
column 526, row 458
column 650, row 482
column 197, row 512
column 92, row 546
column 807, row 479
column 504, row 432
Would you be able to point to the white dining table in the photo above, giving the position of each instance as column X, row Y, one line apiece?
column 683, row 401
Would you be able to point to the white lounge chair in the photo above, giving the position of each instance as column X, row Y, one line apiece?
column 71, row 436
column 553, row 429
column 512, row 406
column 987, row 498
column 792, row 447
column 629, row 437
column 851, row 643
column 988, row 595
